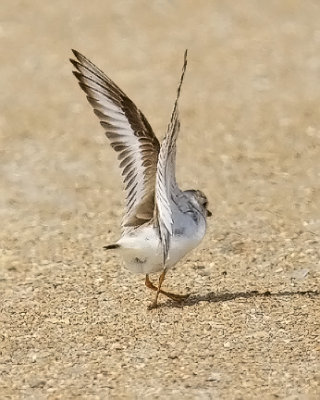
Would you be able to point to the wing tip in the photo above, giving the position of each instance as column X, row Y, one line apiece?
column 77, row 74
column 77, row 54
column 111, row 246
column 81, row 60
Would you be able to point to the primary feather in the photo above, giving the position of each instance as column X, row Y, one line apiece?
column 166, row 185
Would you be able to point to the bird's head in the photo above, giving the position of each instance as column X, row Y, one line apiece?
column 201, row 200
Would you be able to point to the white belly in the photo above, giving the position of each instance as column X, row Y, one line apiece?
column 142, row 249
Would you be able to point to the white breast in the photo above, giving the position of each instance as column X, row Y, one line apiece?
column 141, row 249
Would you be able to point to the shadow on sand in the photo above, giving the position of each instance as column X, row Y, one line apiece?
column 212, row 297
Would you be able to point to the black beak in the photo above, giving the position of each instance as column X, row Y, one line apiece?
column 209, row 213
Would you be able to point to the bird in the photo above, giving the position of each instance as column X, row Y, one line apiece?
column 162, row 223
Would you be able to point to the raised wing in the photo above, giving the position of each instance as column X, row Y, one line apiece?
column 130, row 135
column 166, row 186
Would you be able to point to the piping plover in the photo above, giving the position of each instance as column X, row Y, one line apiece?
column 162, row 223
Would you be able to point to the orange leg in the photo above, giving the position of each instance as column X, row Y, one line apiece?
column 173, row 296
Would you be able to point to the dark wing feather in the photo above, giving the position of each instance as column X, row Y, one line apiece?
column 130, row 135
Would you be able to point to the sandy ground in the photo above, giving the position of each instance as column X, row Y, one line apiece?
column 74, row 323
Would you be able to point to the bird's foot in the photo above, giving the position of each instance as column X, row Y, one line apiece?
column 175, row 297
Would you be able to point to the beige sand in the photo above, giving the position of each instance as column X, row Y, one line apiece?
column 74, row 323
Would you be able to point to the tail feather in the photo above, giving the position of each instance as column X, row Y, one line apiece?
column 111, row 246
